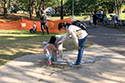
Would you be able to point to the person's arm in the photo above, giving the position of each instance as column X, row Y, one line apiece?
column 75, row 38
column 65, row 37
column 33, row 27
column 54, row 48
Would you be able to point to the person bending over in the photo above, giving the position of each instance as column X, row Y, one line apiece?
column 78, row 35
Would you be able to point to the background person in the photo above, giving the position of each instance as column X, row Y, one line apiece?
column 79, row 37
column 91, row 20
column 95, row 17
column 99, row 17
column 43, row 20
column 34, row 28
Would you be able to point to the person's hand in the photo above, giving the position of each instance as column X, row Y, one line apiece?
column 58, row 50
column 79, row 48
column 57, row 47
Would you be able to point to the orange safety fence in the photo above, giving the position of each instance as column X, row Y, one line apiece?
column 24, row 24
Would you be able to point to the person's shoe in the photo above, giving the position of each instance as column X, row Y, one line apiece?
column 75, row 65
column 49, row 63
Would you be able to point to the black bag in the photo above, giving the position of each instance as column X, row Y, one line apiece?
column 80, row 24
column 43, row 18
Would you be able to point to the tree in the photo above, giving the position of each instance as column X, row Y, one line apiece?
column 5, row 8
column 34, row 3
column 118, row 6
column 61, row 9
column 30, row 10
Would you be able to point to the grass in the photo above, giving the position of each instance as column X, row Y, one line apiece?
column 84, row 17
column 76, row 17
column 17, row 43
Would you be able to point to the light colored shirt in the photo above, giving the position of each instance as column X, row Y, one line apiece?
column 76, row 33
column 49, row 47
column 34, row 27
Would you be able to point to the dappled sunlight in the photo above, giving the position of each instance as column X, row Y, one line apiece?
column 10, row 38
column 117, row 60
column 14, row 51
column 108, row 38
column 19, row 35
column 16, row 43
column 29, row 50
column 92, row 36
column 21, row 63
column 33, row 64
column 6, row 79
column 40, row 72
column 116, row 78
column 2, row 52
column 112, row 61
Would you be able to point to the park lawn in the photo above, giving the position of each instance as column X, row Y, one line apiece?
column 76, row 17
column 17, row 43
column 85, row 17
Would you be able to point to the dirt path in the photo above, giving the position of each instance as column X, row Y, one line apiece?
column 33, row 69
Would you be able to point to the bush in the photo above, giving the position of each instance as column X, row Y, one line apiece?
column 65, row 14
column 56, row 15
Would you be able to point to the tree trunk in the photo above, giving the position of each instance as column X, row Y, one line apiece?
column 119, row 12
column 38, row 10
column 30, row 10
column 119, row 2
column 5, row 8
column 115, row 8
column 34, row 7
column 61, row 9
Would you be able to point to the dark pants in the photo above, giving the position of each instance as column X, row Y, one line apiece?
column 94, row 21
column 44, row 26
column 32, row 31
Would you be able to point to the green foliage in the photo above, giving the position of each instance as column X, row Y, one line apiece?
column 17, row 43
column 79, row 5
column 89, row 5
column 55, row 15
